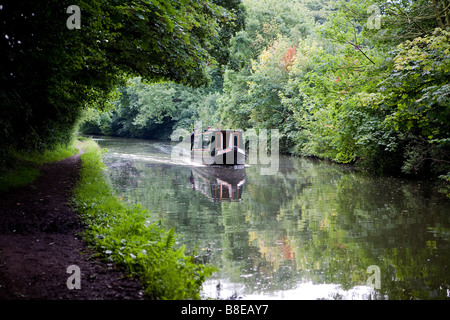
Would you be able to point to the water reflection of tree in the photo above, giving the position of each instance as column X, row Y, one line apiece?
column 165, row 191
column 358, row 221
column 335, row 224
column 311, row 221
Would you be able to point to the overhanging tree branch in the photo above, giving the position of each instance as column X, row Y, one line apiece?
column 409, row 18
column 359, row 49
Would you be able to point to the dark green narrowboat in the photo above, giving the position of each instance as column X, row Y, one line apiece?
column 218, row 147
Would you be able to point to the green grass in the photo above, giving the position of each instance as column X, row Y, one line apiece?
column 26, row 165
column 123, row 235
column 56, row 154
column 18, row 176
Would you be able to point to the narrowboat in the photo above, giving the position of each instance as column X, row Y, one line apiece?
column 218, row 147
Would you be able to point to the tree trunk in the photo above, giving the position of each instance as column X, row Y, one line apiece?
column 438, row 15
column 445, row 10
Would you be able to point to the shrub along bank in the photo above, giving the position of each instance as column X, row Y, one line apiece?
column 125, row 236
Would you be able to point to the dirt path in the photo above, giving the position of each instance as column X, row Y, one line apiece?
column 39, row 240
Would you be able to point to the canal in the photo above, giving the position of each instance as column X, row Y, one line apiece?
column 312, row 230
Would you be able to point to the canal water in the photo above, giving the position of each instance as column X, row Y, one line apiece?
column 312, row 230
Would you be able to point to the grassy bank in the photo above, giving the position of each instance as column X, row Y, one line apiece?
column 124, row 236
column 25, row 168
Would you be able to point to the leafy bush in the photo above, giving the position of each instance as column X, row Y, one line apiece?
column 391, row 117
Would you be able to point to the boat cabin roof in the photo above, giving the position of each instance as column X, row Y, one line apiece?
column 219, row 130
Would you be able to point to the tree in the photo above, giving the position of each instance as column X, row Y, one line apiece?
column 407, row 20
column 252, row 97
column 266, row 86
column 228, row 27
column 415, row 98
column 49, row 73
column 153, row 110
column 376, row 104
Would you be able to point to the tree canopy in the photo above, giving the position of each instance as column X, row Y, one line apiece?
column 49, row 72
column 356, row 81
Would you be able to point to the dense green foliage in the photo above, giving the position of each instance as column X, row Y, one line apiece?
column 124, row 235
column 384, row 106
column 333, row 82
column 152, row 111
column 49, row 73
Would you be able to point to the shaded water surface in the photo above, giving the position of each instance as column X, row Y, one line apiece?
column 311, row 231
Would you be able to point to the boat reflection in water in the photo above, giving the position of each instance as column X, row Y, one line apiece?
column 219, row 183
